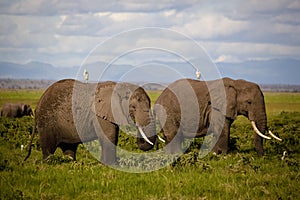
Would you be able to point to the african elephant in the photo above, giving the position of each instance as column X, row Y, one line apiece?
column 191, row 108
column 16, row 110
column 71, row 112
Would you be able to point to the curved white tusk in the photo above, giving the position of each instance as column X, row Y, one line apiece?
column 274, row 136
column 161, row 139
column 144, row 136
column 258, row 132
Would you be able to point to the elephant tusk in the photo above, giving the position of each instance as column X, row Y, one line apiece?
column 258, row 132
column 161, row 139
column 144, row 136
column 274, row 136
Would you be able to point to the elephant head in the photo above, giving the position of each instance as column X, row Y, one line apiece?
column 245, row 98
column 26, row 110
column 124, row 104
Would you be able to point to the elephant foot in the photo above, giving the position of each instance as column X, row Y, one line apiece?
column 71, row 154
column 260, row 152
column 258, row 143
column 69, row 150
column 217, row 150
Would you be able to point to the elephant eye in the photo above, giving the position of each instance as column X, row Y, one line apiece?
column 249, row 102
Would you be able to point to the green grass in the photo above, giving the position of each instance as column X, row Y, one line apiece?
column 153, row 95
column 278, row 102
column 28, row 96
column 275, row 102
column 237, row 175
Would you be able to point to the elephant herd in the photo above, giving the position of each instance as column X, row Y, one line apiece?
column 70, row 112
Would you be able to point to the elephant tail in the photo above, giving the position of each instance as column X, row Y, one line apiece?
column 31, row 140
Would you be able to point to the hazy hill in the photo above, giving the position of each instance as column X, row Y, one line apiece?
column 43, row 84
column 277, row 71
column 35, row 70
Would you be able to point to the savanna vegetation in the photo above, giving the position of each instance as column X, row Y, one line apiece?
column 241, row 174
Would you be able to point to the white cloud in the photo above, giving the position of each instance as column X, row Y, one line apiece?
column 285, row 28
column 101, row 14
column 226, row 58
column 122, row 17
column 169, row 13
column 232, row 31
column 294, row 5
column 7, row 26
column 250, row 51
column 213, row 25
column 61, row 22
column 54, row 7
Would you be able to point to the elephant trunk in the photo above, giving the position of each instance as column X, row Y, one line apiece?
column 146, row 136
column 263, row 127
column 259, row 125
column 262, row 124
column 258, row 118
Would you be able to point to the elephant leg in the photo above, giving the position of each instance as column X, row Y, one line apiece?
column 173, row 143
column 258, row 143
column 69, row 149
column 173, row 139
column 47, row 151
column 108, row 139
column 221, row 141
column 48, row 143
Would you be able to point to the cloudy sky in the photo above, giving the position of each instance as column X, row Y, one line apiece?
column 64, row 33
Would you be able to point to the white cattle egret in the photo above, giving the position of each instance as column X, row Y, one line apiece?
column 198, row 74
column 86, row 75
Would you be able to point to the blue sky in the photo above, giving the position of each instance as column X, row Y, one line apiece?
column 63, row 33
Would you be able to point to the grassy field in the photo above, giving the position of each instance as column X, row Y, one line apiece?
column 237, row 175
column 28, row 96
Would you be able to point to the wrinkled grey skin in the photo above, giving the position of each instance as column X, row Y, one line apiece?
column 241, row 98
column 71, row 112
column 16, row 110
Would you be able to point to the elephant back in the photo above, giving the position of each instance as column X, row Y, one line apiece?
column 54, row 103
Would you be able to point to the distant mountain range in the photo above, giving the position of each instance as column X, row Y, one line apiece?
column 35, row 70
column 276, row 71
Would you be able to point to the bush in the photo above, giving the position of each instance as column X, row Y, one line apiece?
column 287, row 126
column 17, row 131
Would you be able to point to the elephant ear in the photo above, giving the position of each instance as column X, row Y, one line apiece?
column 223, row 97
column 112, row 103
column 231, row 99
